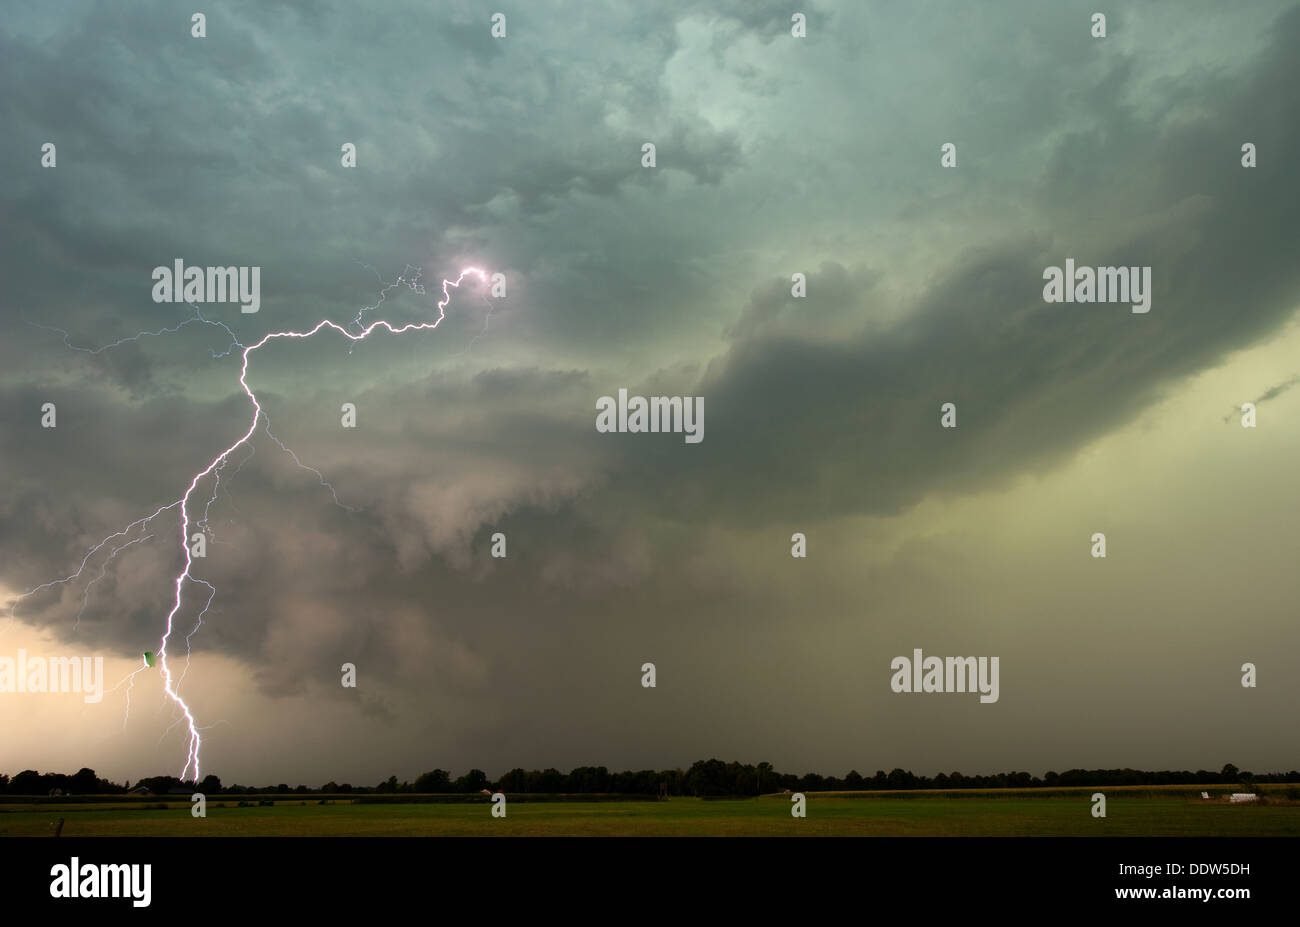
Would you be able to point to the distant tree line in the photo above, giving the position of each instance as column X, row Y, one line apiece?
column 707, row 778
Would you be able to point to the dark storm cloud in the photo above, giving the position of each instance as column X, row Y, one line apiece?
column 527, row 155
column 811, row 426
column 817, row 429
column 226, row 150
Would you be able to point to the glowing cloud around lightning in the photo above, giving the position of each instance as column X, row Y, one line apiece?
column 220, row 460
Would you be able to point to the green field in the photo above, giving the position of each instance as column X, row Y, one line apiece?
column 1135, row 812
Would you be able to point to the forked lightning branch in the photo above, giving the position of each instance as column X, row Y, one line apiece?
column 190, row 771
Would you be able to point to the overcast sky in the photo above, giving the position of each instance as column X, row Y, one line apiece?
column 775, row 155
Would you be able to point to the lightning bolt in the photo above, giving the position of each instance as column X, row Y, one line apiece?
column 356, row 331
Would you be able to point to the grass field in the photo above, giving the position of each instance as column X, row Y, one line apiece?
column 1135, row 812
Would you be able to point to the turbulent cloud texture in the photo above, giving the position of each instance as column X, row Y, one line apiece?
column 775, row 155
